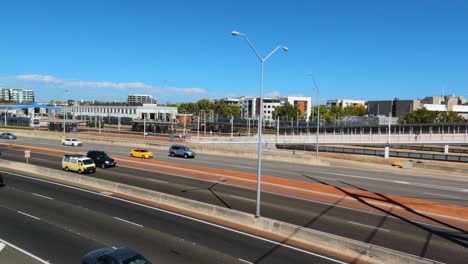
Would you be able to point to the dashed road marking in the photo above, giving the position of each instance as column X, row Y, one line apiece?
column 43, row 196
column 242, row 198
column 373, row 227
column 129, row 222
column 32, row 216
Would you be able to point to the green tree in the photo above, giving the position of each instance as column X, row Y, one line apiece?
column 286, row 111
column 325, row 113
column 234, row 111
column 423, row 115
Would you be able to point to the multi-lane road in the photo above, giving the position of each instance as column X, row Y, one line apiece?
column 60, row 224
column 441, row 242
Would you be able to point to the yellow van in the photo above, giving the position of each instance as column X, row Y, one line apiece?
column 79, row 163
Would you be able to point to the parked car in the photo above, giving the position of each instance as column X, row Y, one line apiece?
column 78, row 163
column 101, row 159
column 72, row 142
column 114, row 256
column 141, row 153
column 181, row 151
column 7, row 136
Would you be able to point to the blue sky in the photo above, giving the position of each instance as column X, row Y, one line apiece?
column 361, row 49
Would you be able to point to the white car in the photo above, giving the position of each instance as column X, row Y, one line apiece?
column 72, row 142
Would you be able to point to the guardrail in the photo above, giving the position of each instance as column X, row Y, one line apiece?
column 348, row 249
column 376, row 152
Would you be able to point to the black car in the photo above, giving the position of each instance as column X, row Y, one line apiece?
column 101, row 158
column 114, row 256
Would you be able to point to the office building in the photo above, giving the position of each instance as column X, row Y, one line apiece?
column 17, row 95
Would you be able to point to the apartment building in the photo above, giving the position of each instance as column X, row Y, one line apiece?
column 17, row 95
column 345, row 102
column 250, row 106
column 139, row 99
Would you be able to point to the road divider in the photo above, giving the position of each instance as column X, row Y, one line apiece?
column 332, row 245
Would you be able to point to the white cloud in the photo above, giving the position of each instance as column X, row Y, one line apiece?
column 187, row 90
column 105, row 84
column 274, row 94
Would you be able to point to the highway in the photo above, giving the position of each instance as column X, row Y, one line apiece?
column 437, row 187
column 60, row 224
column 441, row 243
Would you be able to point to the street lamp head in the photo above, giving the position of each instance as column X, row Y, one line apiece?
column 285, row 48
column 235, row 33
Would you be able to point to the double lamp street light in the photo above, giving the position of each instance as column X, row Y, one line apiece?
column 260, row 118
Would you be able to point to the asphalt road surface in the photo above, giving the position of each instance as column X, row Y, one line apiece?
column 437, row 187
column 442, row 243
column 61, row 224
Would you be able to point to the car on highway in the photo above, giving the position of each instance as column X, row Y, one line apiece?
column 78, row 162
column 114, row 256
column 181, row 151
column 101, row 159
column 72, row 142
column 141, row 153
column 7, row 135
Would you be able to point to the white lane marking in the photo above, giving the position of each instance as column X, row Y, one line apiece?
column 242, row 198
column 443, row 195
column 401, row 182
column 2, row 246
column 114, row 247
column 24, row 252
column 245, row 261
column 240, row 166
column 188, row 217
column 372, row 227
column 43, row 196
column 106, row 193
column 271, row 193
column 32, row 216
column 157, row 180
column 126, row 221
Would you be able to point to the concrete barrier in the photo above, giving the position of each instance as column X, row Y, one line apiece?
column 344, row 248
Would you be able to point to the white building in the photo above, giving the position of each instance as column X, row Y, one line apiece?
column 140, row 99
column 146, row 111
column 304, row 104
column 434, row 107
column 461, row 110
column 345, row 102
column 17, row 95
column 249, row 106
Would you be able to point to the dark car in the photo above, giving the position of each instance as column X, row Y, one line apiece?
column 101, row 158
column 7, row 136
column 181, row 151
column 114, row 256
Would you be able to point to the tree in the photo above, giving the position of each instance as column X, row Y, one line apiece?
column 423, row 115
column 286, row 111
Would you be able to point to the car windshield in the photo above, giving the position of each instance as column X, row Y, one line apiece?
column 87, row 162
column 144, row 150
column 186, row 149
column 137, row 259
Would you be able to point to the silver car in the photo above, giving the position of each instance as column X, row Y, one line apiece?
column 181, row 151
column 7, row 136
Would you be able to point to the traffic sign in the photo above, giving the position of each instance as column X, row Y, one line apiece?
column 27, row 153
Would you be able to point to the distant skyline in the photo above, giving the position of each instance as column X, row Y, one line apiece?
column 182, row 51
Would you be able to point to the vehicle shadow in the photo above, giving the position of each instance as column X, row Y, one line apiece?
column 451, row 237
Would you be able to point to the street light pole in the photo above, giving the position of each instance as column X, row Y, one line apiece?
column 318, row 117
column 64, row 114
column 260, row 119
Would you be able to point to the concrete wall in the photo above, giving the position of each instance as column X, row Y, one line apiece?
column 347, row 249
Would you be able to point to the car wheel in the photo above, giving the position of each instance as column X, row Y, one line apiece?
column 172, row 154
column 66, row 168
column 63, row 143
column 185, row 156
column 143, row 157
column 80, row 171
column 103, row 166
column 131, row 155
